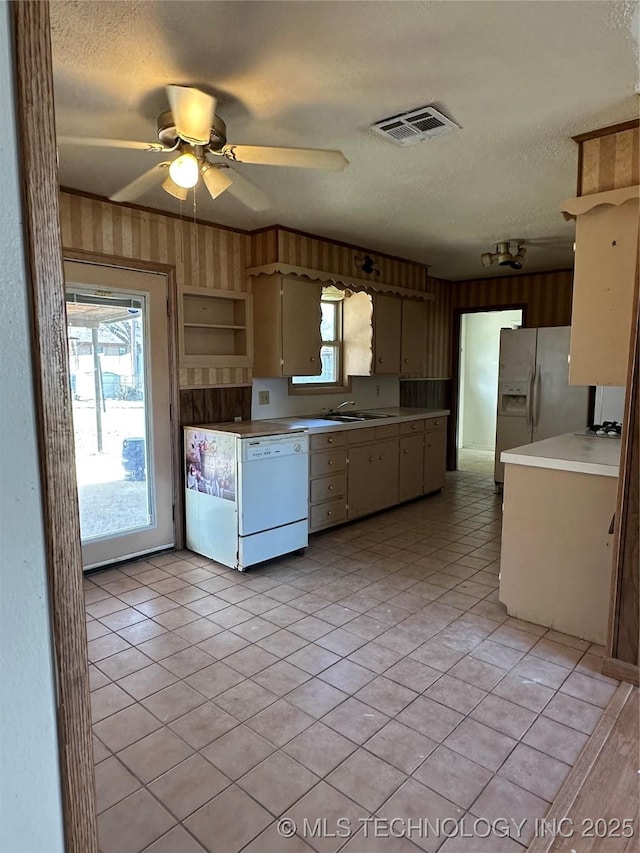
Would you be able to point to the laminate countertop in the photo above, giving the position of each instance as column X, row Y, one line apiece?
column 584, row 454
column 392, row 415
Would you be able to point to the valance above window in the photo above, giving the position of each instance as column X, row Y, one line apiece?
column 340, row 281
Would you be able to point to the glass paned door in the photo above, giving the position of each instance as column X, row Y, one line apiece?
column 118, row 364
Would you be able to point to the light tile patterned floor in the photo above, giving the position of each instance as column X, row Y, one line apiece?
column 378, row 675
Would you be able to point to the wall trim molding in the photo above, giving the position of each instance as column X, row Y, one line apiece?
column 631, row 124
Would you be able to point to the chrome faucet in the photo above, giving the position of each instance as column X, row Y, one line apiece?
column 332, row 411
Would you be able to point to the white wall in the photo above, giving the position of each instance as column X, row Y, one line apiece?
column 30, row 804
column 369, row 392
column 609, row 404
column 480, row 348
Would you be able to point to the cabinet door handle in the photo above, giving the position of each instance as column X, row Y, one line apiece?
column 330, row 462
column 612, row 526
column 371, row 459
column 406, row 361
column 329, row 513
column 405, row 450
column 330, row 488
column 330, row 441
column 313, row 358
column 428, row 445
column 381, row 458
column 381, row 360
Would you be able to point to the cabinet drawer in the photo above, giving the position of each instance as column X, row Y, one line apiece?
column 435, row 423
column 361, row 436
column 412, row 427
column 328, row 462
column 324, row 488
column 326, row 514
column 328, row 440
column 387, row 431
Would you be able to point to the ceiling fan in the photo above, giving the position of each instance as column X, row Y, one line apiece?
column 192, row 131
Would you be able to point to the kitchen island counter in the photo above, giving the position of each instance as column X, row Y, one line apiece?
column 583, row 454
column 555, row 565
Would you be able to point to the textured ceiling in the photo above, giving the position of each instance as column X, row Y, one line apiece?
column 520, row 78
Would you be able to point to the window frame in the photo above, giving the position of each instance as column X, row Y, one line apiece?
column 342, row 383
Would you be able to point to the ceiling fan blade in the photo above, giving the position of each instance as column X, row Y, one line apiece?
column 215, row 180
column 247, row 192
column 145, row 182
column 192, row 112
column 111, row 143
column 304, row 158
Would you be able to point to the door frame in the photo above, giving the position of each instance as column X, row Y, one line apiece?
column 456, row 327
column 38, row 176
column 174, row 384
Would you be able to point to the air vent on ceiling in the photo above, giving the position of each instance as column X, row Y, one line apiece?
column 415, row 126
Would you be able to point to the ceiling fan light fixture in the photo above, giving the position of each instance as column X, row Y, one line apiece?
column 184, row 170
column 170, row 186
column 215, row 180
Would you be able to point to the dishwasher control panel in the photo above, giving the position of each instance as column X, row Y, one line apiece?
column 273, row 447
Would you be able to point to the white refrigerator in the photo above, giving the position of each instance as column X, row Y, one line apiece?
column 535, row 400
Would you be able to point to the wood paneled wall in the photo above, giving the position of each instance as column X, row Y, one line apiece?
column 425, row 393
column 214, row 405
column 203, row 255
column 305, row 250
column 609, row 160
column 547, row 297
column 439, row 329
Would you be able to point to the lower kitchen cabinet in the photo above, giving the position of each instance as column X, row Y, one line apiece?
column 328, row 480
column 386, row 474
column 359, row 471
column 411, row 467
column 435, row 458
column 361, row 483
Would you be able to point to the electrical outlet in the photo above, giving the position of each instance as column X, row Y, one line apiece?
column 263, row 398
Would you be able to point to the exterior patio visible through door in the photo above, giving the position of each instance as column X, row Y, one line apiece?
column 119, row 377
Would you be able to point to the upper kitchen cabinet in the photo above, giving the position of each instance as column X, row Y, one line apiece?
column 215, row 328
column 384, row 335
column 413, row 346
column 603, row 288
column 387, row 325
column 287, row 332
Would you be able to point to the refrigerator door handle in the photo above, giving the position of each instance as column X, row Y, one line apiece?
column 537, row 396
column 530, row 401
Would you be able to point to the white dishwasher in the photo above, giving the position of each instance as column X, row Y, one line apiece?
column 247, row 488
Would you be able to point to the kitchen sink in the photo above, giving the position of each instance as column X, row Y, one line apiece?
column 354, row 417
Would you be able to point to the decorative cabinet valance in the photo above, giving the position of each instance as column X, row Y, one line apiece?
column 337, row 280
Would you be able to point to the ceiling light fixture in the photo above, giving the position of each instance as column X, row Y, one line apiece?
column 185, row 170
column 505, row 256
column 170, row 186
column 214, row 179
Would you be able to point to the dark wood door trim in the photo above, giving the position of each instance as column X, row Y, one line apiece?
column 452, row 437
column 624, row 627
column 43, row 243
